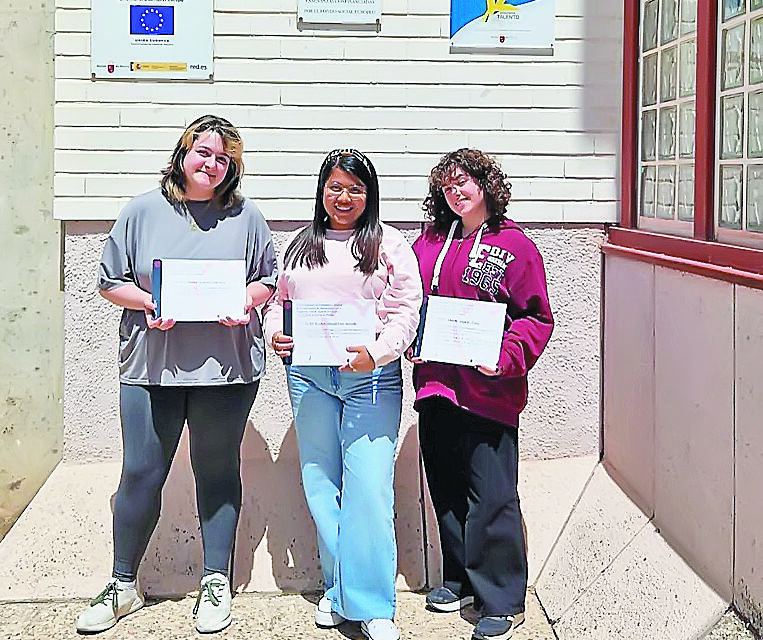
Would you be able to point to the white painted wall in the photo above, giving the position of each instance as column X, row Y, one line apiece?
column 399, row 95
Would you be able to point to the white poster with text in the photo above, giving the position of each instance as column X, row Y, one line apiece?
column 339, row 11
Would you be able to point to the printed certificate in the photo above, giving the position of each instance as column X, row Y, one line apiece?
column 201, row 290
column 322, row 331
column 458, row 331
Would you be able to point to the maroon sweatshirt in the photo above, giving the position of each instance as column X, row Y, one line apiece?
column 507, row 268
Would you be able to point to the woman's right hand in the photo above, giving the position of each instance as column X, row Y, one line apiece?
column 282, row 344
column 149, row 306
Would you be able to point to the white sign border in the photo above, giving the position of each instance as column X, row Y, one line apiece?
column 114, row 52
column 543, row 28
column 331, row 14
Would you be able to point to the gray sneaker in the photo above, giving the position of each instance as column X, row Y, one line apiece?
column 497, row 627
column 111, row 604
column 212, row 608
column 443, row 599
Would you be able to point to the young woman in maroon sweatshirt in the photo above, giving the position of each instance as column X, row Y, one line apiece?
column 468, row 416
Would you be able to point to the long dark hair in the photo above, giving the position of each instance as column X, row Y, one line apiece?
column 488, row 174
column 308, row 247
column 226, row 193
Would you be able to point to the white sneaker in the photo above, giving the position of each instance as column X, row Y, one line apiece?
column 212, row 608
column 379, row 629
column 111, row 604
column 324, row 616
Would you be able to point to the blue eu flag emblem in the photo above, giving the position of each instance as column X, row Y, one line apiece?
column 152, row 20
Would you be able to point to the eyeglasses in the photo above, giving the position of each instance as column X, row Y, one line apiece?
column 354, row 191
column 458, row 185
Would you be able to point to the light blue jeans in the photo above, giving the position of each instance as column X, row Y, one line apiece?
column 347, row 426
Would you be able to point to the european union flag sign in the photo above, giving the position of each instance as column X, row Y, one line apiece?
column 152, row 20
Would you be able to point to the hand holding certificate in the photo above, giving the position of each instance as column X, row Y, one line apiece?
column 459, row 331
column 199, row 290
column 322, row 331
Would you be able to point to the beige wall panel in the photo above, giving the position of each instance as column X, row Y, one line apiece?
column 629, row 376
column 694, row 380
column 748, row 578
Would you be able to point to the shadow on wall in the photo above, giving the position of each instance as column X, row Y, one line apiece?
column 276, row 543
column 602, row 69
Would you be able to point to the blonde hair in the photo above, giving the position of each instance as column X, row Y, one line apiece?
column 173, row 176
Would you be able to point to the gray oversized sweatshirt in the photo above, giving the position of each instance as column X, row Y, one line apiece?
column 191, row 353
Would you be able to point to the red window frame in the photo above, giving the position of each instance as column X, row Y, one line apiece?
column 701, row 254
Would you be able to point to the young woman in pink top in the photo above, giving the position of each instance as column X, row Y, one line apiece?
column 347, row 417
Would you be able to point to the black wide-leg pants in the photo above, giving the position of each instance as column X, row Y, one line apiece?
column 471, row 467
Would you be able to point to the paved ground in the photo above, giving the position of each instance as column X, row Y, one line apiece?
column 255, row 617
column 731, row 627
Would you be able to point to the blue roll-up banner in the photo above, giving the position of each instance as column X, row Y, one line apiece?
column 500, row 24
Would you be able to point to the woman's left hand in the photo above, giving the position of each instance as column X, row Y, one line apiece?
column 489, row 372
column 235, row 322
column 361, row 363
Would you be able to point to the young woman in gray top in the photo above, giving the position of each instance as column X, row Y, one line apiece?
column 201, row 372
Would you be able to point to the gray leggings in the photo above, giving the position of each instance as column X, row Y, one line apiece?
column 152, row 421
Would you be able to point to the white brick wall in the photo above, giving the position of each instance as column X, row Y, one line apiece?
column 398, row 95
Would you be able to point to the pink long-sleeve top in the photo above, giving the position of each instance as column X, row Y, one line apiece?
column 395, row 286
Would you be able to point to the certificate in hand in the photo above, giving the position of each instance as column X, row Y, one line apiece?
column 199, row 290
column 459, row 331
column 322, row 331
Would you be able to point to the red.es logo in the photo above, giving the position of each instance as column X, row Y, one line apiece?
column 110, row 68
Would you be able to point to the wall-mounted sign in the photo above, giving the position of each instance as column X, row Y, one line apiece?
column 502, row 25
column 339, row 11
column 151, row 39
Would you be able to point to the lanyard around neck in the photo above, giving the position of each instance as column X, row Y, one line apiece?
column 446, row 247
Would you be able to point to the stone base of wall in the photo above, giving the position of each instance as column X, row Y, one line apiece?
column 561, row 418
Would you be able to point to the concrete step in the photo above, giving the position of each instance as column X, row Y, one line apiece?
column 611, row 575
column 61, row 546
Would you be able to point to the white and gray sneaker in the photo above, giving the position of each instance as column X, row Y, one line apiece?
column 497, row 627
column 212, row 608
column 379, row 629
column 114, row 602
column 324, row 616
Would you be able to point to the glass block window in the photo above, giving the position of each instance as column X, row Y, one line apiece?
column 740, row 116
column 668, row 62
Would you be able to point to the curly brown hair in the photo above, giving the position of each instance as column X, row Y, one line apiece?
column 488, row 174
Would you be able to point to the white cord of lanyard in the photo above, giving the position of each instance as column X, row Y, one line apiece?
column 448, row 241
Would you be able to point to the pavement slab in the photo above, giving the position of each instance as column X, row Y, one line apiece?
column 255, row 616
